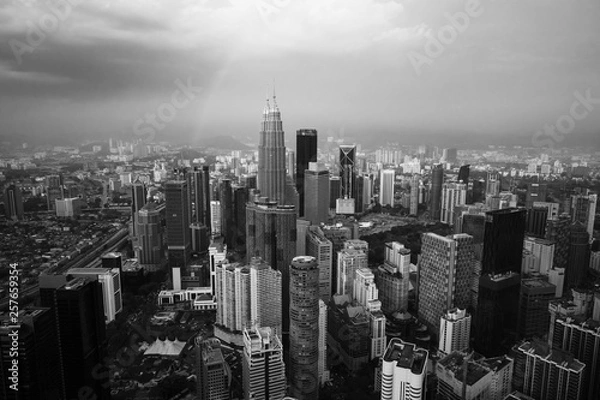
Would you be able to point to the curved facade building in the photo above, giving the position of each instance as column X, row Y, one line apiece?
column 403, row 371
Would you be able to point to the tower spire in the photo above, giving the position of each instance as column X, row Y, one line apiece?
column 274, row 96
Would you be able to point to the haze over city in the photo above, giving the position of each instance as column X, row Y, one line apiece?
column 341, row 66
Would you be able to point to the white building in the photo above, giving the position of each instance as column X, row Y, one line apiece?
column 386, row 187
column 455, row 331
column 403, row 371
column 215, row 218
column 263, row 369
column 110, row 281
column 453, row 194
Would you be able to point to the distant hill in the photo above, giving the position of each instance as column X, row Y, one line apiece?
column 223, row 143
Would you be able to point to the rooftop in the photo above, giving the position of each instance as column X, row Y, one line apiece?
column 455, row 363
column 406, row 355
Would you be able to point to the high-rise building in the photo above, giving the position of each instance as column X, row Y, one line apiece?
column 179, row 244
column 537, row 218
column 271, row 235
column 366, row 293
column 138, row 200
column 535, row 295
column 316, row 193
column 437, row 180
column 233, row 291
column 548, row 374
column 319, row 247
column 197, row 190
column 304, row 327
column 455, row 331
column 110, row 283
column 335, row 190
column 263, row 369
column 403, row 371
column 558, row 231
column 453, row 194
column 206, row 190
column 503, row 241
column 214, row 375
column 348, row 261
column 271, row 155
column 226, row 203
column 240, row 198
column 579, row 255
column 392, row 278
column 266, row 306
column 323, row 366
column 347, row 171
column 387, row 179
column 460, row 378
column 81, row 335
column 541, row 252
column 37, row 375
column 414, row 194
column 535, row 192
column 216, row 220
column 149, row 248
column 13, row 203
column 492, row 184
column 463, row 173
column 306, row 152
column 445, row 269
column 583, row 209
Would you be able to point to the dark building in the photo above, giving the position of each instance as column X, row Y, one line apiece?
column 537, row 218
column 206, row 194
column 240, row 198
column 226, row 199
column 197, row 192
column 359, row 202
column 112, row 260
column 179, row 243
column 38, row 375
column 474, row 225
column 534, row 317
column 317, row 190
column 463, row 173
column 82, row 341
column 213, row 372
column 138, row 200
column 579, row 256
column 335, row 190
column 437, row 180
column 535, row 192
column 478, row 191
column 306, row 152
column 13, row 203
column 503, row 241
column 271, row 155
column 558, row 231
column 347, row 171
column 304, row 327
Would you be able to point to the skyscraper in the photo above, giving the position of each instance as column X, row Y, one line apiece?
column 492, row 184
column 13, row 203
column 403, row 371
column 536, row 192
column 306, row 152
column 149, row 247
column 213, row 377
column 265, row 295
column 335, row 190
column 392, row 278
column 216, row 220
column 579, row 255
column 321, row 248
column 304, row 327
column 263, row 369
column 271, row 155
column 534, row 318
column 348, row 261
column 386, row 188
column 233, row 291
column 455, row 331
column 414, row 194
column 138, row 200
column 463, row 173
column 445, row 269
column 197, row 191
column 583, row 209
column 179, row 244
column 437, row 180
column 347, row 170
column 226, row 200
column 453, row 194
column 316, row 193
column 503, row 240
column 206, row 194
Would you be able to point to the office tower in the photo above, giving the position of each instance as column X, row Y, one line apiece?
column 265, row 284
column 217, row 253
column 306, row 152
column 149, row 248
column 387, row 179
column 110, row 283
column 263, row 369
column 179, row 244
column 271, row 235
column 437, row 180
column 347, row 171
column 558, row 231
column 291, row 164
column 583, row 209
column 37, row 372
column 348, row 261
column 240, row 198
column 200, row 238
column 316, row 193
column 541, row 252
column 323, row 366
column 81, row 335
column 13, row 203
column 453, row 194
column 403, row 371
column 138, row 200
column 319, row 247
column 226, row 202
column 579, row 255
column 461, row 378
column 535, row 295
column 68, row 207
column 335, row 190
column 581, row 338
column 455, row 331
column 304, row 327
column 445, row 269
column 271, row 155
column 54, row 190
column 367, row 191
column 551, row 207
column 548, row 374
column 503, row 241
column 233, row 293
column 473, row 223
column 349, row 333
column 537, row 218
column 392, row 278
column 492, row 184
column 414, row 194
column 359, row 203
column 463, row 173
column 301, row 229
column 366, row 295
column 206, row 194
column 213, row 375
column 216, row 227
column 197, row 191
column 536, row 192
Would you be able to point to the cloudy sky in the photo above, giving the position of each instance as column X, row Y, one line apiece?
column 356, row 68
